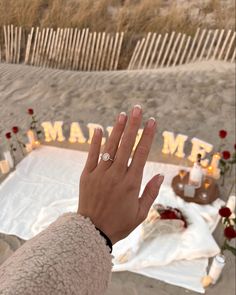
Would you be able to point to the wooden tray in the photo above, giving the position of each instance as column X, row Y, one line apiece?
column 211, row 193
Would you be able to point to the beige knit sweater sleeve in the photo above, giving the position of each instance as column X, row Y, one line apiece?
column 69, row 257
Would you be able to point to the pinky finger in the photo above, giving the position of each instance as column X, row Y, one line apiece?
column 94, row 151
column 149, row 195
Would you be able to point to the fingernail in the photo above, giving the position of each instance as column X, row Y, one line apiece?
column 97, row 131
column 151, row 122
column 137, row 110
column 122, row 117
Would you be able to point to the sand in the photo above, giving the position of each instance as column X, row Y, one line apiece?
column 196, row 99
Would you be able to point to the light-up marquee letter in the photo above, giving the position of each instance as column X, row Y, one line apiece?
column 215, row 165
column 76, row 134
column 172, row 143
column 200, row 147
column 91, row 128
column 109, row 130
column 138, row 137
column 53, row 132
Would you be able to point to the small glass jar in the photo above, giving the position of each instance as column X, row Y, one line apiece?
column 6, row 155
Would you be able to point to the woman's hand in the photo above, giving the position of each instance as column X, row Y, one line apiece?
column 109, row 190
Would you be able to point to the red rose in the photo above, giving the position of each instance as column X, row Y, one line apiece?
column 30, row 111
column 230, row 233
column 226, row 155
column 8, row 135
column 222, row 133
column 15, row 129
column 225, row 212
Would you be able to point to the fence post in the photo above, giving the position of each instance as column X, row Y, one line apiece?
column 154, row 51
column 179, row 50
column 212, row 43
column 224, row 45
column 205, row 45
column 173, row 49
column 168, row 48
column 230, row 45
column 118, row 50
column 193, row 44
column 149, row 50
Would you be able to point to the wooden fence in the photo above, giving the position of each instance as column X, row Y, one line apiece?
column 157, row 51
column 74, row 49
column 69, row 48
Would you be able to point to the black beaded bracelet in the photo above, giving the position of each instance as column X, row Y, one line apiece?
column 108, row 241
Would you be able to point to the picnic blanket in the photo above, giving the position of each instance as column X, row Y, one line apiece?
column 45, row 185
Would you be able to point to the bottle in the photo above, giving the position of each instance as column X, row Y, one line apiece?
column 196, row 173
column 217, row 266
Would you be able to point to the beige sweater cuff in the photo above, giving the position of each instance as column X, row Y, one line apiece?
column 69, row 257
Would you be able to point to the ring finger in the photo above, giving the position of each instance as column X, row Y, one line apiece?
column 114, row 140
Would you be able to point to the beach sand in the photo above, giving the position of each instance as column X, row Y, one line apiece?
column 196, row 100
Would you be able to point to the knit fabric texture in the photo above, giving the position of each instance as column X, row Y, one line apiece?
column 69, row 257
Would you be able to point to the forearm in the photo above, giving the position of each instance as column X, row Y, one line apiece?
column 69, row 257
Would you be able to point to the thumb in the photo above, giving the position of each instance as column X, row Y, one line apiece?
column 149, row 195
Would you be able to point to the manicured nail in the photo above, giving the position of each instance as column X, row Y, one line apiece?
column 122, row 117
column 97, row 131
column 151, row 122
column 137, row 110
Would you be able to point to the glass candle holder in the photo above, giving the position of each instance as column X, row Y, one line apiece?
column 182, row 174
column 6, row 155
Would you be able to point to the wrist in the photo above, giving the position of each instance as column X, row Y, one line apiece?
column 100, row 228
column 107, row 239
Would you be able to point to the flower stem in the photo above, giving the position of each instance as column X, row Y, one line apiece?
column 19, row 143
column 231, row 169
column 231, row 189
column 223, row 248
column 223, row 179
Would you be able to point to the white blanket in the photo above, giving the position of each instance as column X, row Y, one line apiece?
column 45, row 185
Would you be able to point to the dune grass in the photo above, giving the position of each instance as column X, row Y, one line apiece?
column 134, row 17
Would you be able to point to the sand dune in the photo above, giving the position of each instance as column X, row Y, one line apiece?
column 195, row 99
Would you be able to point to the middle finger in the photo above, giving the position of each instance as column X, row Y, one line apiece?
column 128, row 140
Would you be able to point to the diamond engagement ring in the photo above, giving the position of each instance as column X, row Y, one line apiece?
column 106, row 157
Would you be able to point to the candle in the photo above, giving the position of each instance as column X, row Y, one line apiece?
column 31, row 137
column 206, row 281
column 36, row 144
column 4, row 167
column 8, row 157
column 209, row 170
column 217, row 267
column 216, row 173
column 29, row 147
